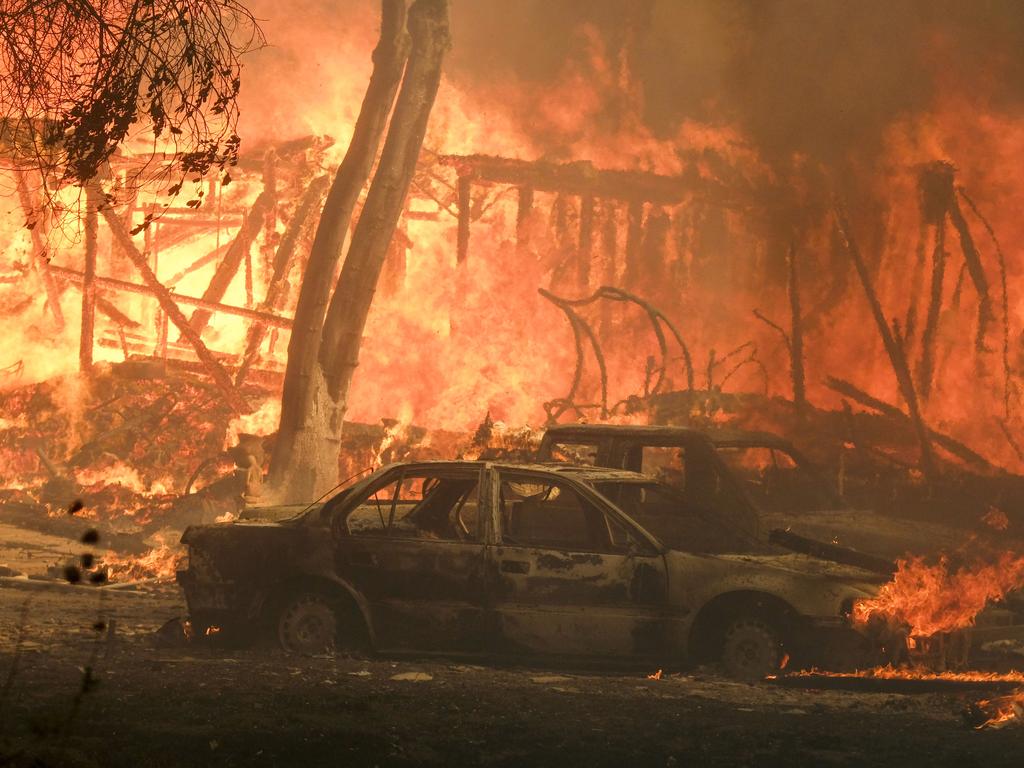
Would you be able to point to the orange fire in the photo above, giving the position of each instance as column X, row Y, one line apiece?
column 159, row 564
column 930, row 599
column 1003, row 710
column 889, row 672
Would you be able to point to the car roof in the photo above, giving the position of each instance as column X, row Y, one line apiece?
column 719, row 437
column 584, row 473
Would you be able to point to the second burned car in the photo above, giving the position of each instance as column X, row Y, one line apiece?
column 489, row 558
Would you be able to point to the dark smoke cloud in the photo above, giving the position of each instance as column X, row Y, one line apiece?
column 820, row 77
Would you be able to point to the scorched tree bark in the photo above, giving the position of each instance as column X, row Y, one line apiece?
column 324, row 348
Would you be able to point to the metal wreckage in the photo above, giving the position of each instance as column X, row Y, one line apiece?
column 663, row 564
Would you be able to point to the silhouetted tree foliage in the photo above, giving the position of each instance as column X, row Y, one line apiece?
column 77, row 77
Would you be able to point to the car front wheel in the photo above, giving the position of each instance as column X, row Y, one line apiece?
column 752, row 649
column 308, row 625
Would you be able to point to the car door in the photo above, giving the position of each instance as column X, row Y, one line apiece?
column 412, row 545
column 569, row 575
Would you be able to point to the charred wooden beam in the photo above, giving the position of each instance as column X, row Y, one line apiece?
column 796, row 330
column 104, row 307
column 976, row 271
column 585, row 252
column 92, row 202
column 609, row 249
column 582, row 178
column 892, row 347
column 465, row 190
column 523, row 212
column 955, row 447
column 634, row 240
column 77, row 278
column 926, row 364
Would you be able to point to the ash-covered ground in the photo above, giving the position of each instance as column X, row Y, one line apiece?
column 152, row 698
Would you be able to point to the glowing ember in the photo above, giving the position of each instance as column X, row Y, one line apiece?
column 655, row 676
column 929, row 599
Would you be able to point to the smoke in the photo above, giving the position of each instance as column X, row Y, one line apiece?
column 799, row 77
column 820, row 79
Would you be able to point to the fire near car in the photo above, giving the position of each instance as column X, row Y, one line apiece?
column 475, row 557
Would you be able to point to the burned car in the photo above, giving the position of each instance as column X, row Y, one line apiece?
column 754, row 482
column 487, row 558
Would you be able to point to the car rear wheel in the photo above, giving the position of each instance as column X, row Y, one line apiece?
column 308, row 625
column 752, row 648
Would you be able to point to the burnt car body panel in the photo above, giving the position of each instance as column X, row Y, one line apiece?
column 516, row 559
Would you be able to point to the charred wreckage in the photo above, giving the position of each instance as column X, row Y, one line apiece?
column 481, row 557
column 674, row 552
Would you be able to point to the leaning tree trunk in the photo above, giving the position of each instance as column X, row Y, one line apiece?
column 324, row 351
column 299, row 417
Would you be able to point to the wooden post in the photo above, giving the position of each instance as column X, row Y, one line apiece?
column 609, row 247
column 796, row 332
column 92, row 202
column 465, row 209
column 634, row 238
column 586, row 244
column 522, row 218
column 926, row 365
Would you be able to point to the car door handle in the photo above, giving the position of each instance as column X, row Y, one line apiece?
column 363, row 558
column 515, row 566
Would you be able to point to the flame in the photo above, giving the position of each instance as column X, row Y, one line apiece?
column 889, row 672
column 931, row 599
column 159, row 564
column 116, row 473
column 1003, row 710
column 395, row 434
column 260, row 422
column 999, row 711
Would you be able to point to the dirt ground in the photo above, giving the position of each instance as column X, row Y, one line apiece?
column 158, row 703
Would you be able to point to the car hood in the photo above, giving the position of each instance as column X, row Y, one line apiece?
column 811, row 586
column 869, row 532
column 803, row 566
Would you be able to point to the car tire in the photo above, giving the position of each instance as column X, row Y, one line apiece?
column 308, row 626
column 752, row 648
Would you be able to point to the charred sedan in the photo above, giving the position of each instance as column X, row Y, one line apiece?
column 474, row 557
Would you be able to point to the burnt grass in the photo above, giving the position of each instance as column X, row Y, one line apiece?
column 172, row 703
